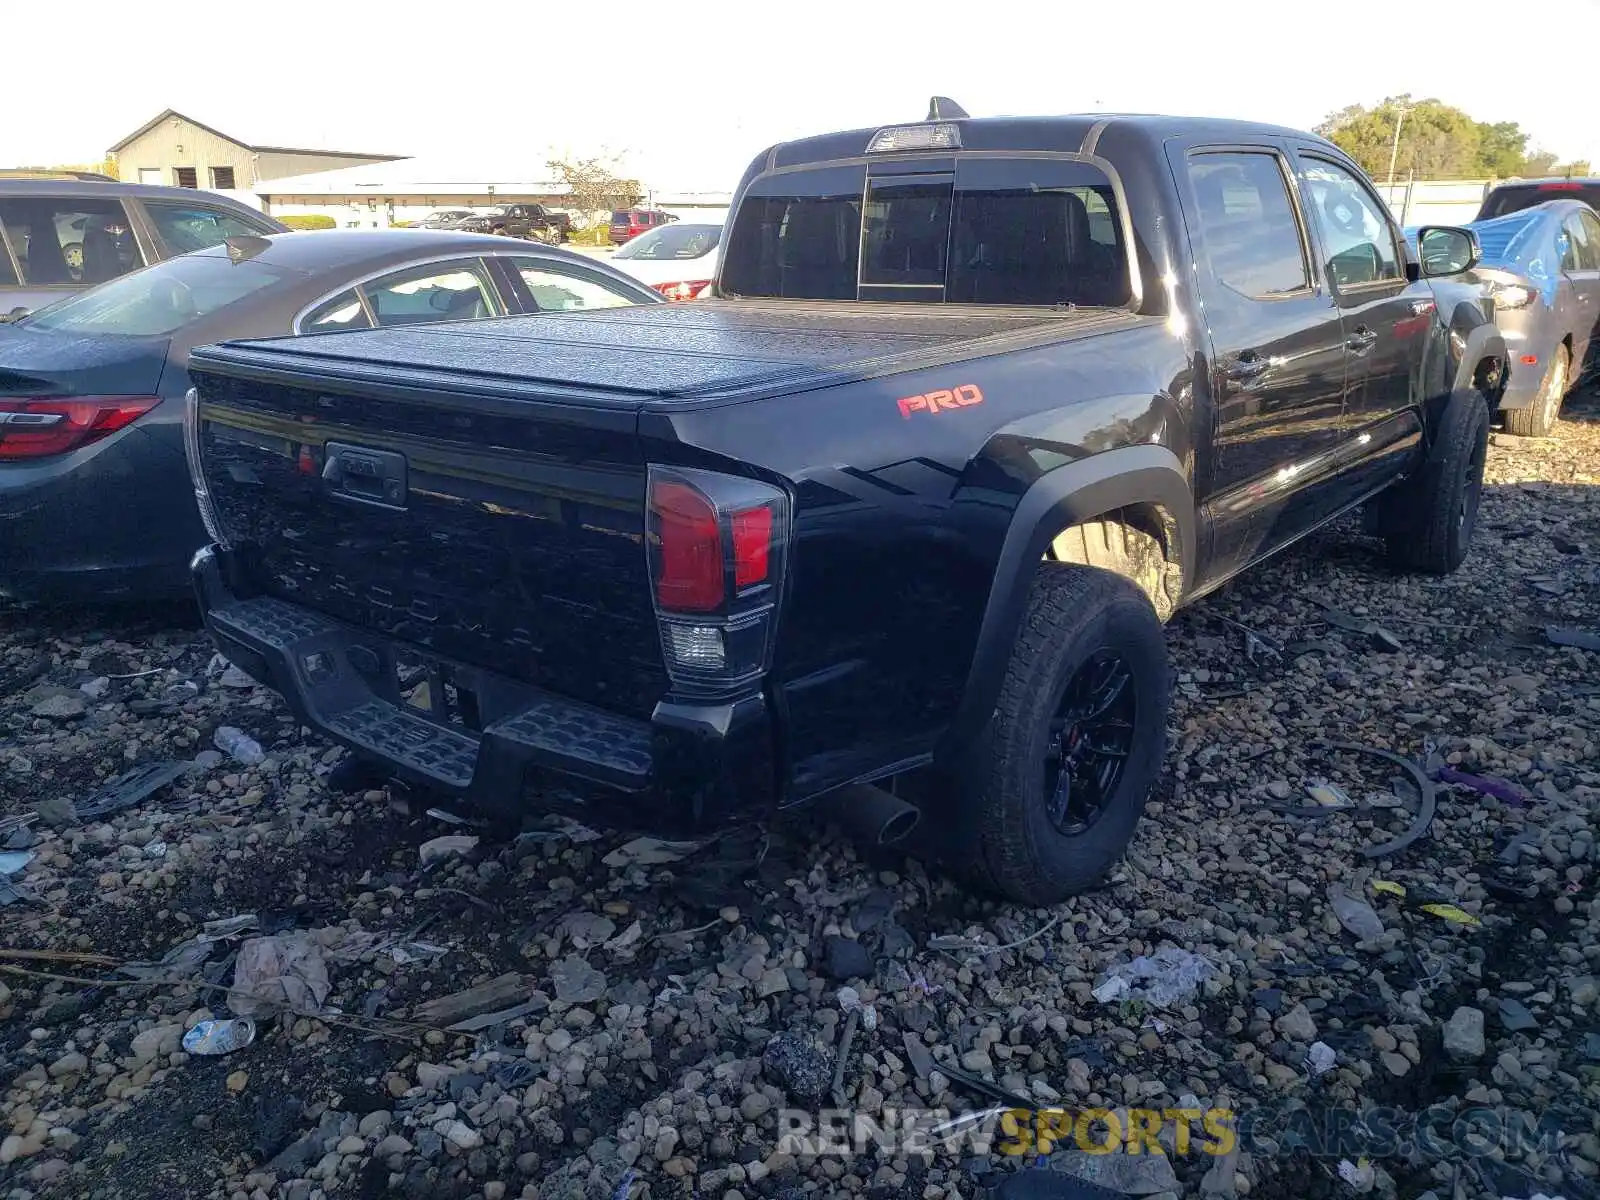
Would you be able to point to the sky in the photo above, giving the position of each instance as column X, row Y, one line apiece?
column 685, row 99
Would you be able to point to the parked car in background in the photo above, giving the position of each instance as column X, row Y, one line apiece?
column 915, row 490
column 444, row 218
column 679, row 261
column 94, row 502
column 629, row 223
column 1541, row 270
column 1512, row 197
column 534, row 222
column 59, row 235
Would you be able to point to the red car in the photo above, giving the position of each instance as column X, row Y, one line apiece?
column 629, row 223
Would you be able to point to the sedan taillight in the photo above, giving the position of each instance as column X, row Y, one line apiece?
column 690, row 289
column 39, row 428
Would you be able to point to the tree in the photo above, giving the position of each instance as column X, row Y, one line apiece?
column 1437, row 141
column 595, row 187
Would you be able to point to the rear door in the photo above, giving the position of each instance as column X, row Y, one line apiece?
column 1583, row 231
column 1277, row 369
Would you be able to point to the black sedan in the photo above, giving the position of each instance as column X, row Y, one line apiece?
column 95, row 500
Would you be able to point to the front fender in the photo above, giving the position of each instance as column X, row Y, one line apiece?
column 1075, row 492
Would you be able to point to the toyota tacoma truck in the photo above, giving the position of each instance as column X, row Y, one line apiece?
column 891, row 524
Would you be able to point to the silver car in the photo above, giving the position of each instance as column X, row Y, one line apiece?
column 1541, row 267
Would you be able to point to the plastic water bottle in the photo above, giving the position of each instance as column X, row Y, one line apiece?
column 238, row 745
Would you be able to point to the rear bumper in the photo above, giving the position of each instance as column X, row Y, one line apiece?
column 688, row 770
column 113, row 521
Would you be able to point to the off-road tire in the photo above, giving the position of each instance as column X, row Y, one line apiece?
column 1006, row 843
column 1427, row 521
column 1539, row 418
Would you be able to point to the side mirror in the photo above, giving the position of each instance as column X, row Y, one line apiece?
column 1447, row 250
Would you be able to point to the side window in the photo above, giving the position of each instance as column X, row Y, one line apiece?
column 1583, row 250
column 8, row 275
column 440, row 292
column 1247, row 224
column 344, row 311
column 186, row 227
column 69, row 241
column 1591, row 225
column 1357, row 235
column 557, row 291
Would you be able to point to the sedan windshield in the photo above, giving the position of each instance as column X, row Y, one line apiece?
column 673, row 241
column 160, row 299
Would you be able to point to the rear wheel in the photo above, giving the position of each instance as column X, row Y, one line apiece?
column 1427, row 521
column 1539, row 418
column 1075, row 743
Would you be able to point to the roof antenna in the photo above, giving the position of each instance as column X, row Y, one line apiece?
column 942, row 108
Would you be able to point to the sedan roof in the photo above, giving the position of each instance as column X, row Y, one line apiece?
column 336, row 249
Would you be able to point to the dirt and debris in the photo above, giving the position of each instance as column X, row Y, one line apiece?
column 569, row 1012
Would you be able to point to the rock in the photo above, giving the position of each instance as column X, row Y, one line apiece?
column 773, row 981
column 351, row 1145
column 559, row 1041
column 1297, row 1025
column 160, row 1040
column 17, row 1146
column 71, row 1063
column 60, row 706
column 449, row 846
column 56, row 812
column 237, row 1082
column 576, row 982
column 754, row 1106
column 1396, row 1064
column 874, row 907
column 208, row 760
column 1583, row 990
column 1463, row 1034
column 461, row 1135
column 374, row 1123
column 846, row 959
column 801, row 1068
column 393, row 1146
column 921, row 1057
column 1514, row 1015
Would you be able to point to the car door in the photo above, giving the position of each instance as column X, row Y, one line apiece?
column 1387, row 317
column 1277, row 369
column 1582, row 228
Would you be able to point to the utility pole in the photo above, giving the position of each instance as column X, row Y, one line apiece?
column 1394, row 152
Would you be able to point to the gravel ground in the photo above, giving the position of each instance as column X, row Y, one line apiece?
column 661, row 1014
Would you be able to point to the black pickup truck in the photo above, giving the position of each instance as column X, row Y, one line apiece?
column 891, row 524
column 533, row 222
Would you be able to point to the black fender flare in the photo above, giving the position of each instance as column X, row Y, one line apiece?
column 1075, row 492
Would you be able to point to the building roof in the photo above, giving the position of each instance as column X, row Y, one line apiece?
column 419, row 176
column 165, row 114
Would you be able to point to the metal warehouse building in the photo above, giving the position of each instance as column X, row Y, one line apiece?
column 377, row 195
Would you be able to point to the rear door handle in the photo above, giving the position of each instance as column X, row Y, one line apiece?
column 1362, row 340
column 1248, row 366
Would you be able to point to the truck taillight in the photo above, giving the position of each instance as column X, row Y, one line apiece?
column 717, row 545
column 38, row 428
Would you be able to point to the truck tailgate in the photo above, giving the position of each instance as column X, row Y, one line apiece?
column 478, row 489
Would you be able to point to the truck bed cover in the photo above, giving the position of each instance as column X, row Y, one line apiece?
column 635, row 355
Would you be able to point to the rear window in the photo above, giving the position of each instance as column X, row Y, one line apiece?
column 622, row 217
column 673, row 242
column 976, row 231
column 161, row 298
column 1505, row 200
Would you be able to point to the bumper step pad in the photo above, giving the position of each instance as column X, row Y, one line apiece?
column 544, row 730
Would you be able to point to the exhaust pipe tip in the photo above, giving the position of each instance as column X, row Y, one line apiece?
column 870, row 814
